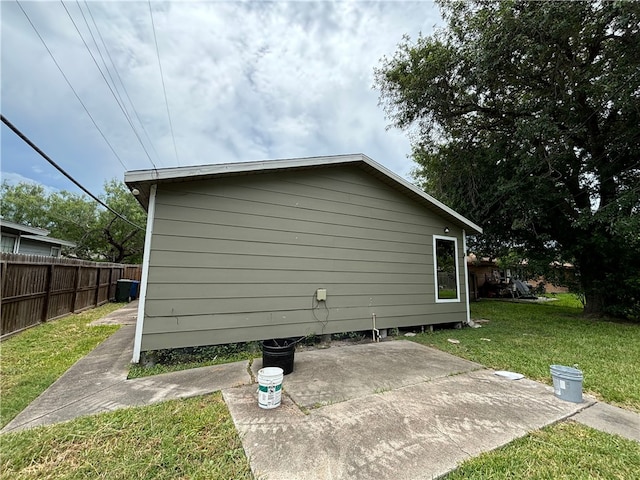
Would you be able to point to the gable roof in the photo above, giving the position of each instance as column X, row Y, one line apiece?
column 141, row 180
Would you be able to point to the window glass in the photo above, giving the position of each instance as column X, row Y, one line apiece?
column 446, row 266
column 8, row 244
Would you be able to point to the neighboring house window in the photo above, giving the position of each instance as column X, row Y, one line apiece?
column 8, row 243
column 445, row 254
column 55, row 251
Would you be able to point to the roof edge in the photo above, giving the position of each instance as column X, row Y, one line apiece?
column 139, row 181
column 190, row 172
column 24, row 228
column 410, row 186
column 45, row 239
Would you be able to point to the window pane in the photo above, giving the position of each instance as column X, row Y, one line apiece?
column 8, row 243
column 447, row 285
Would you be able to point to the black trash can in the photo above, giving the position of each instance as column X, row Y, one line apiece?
column 123, row 290
column 279, row 352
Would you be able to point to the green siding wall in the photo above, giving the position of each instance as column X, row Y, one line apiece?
column 241, row 258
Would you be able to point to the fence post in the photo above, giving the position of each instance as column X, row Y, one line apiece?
column 76, row 285
column 47, row 297
column 109, row 287
column 3, row 277
column 97, row 295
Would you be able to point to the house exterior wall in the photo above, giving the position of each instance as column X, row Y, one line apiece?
column 33, row 247
column 241, row 258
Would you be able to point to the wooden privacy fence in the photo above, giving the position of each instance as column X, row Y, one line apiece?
column 36, row 289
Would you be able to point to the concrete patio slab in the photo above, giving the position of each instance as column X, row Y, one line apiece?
column 421, row 429
column 360, row 370
column 610, row 419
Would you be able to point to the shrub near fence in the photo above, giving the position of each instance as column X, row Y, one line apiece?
column 36, row 289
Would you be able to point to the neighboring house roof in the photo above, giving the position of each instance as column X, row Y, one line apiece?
column 32, row 233
column 141, row 180
column 12, row 227
column 55, row 241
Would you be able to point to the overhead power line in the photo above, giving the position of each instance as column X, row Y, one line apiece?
column 71, row 86
column 115, row 69
column 166, row 102
column 115, row 93
column 61, row 170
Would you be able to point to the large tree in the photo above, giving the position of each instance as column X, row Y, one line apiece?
column 525, row 116
column 97, row 233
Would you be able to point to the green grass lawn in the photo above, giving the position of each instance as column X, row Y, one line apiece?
column 528, row 338
column 565, row 451
column 34, row 359
column 185, row 439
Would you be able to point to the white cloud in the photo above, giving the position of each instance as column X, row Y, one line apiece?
column 15, row 178
column 244, row 80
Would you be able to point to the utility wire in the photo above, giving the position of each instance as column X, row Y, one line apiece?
column 126, row 115
column 95, row 43
column 71, row 86
column 61, row 170
column 166, row 102
column 124, row 88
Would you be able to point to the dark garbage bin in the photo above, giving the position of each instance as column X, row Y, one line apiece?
column 135, row 289
column 123, row 290
column 279, row 352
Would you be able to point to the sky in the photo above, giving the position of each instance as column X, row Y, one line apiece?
column 244, row 81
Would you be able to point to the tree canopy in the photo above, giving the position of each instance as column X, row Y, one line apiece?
column 98, row 233
column 524, row 116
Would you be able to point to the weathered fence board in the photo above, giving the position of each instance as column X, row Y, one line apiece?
column 35, row 289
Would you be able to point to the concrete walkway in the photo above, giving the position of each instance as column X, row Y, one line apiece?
column 391, row 410
column 98, row 383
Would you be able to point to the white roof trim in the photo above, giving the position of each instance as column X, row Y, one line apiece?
column 138, row 178
column 234, row 168
column 422, row 193
column 52, row 240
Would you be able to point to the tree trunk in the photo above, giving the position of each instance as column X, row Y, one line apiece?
column 594, row 273
column 594, row 303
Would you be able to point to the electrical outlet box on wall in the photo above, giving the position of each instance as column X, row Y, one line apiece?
column 321, row 294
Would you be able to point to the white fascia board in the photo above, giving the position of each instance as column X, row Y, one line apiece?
column 210, row 171
column 51, row 240
column 423, row 194
column 239, row 167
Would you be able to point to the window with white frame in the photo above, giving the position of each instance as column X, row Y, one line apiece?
column 445, row 262
column 8, row 243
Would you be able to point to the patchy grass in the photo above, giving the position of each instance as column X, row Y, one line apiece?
column 193, row 438
column 528, row 338
column 562, row 451
column 173, row 360
column 34, row 359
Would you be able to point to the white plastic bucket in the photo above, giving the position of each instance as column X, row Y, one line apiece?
column 270, row 387
column 567, row 383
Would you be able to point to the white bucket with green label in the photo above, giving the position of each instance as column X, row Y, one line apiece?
column 567, row 383
column 270, row 387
